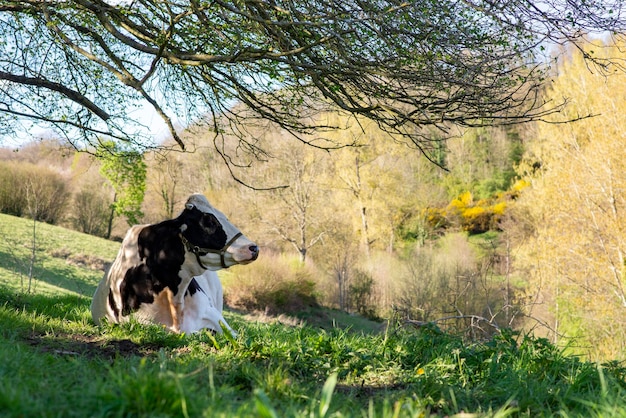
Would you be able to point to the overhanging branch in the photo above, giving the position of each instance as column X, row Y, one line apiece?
column 73, row 95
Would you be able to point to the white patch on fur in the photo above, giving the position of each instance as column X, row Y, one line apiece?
column 204, row 308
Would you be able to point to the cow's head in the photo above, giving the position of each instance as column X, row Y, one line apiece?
column 213, row 250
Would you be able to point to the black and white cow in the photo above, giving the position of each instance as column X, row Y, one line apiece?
column 165, row 273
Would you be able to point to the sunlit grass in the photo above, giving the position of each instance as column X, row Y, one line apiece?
column 56, row 362
column 64, row 261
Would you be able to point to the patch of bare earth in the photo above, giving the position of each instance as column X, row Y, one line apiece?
column 81, row 260
column 88, row 346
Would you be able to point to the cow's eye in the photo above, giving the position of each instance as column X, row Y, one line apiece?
column 208, row 221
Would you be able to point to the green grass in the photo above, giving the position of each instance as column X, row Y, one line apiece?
column 56, row 363
column 65, row 261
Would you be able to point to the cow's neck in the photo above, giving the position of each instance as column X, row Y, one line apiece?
column 188, row 270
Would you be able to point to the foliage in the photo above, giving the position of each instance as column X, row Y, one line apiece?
column 361, row 291
column 475, row 217
column 289, row 210
column 91, row 211
column 482, row 161
column 573, row 254
column 455, row 282
column 34, row 191
column 432, row 63
column 165, row 177
column 275, row 286
column 126, row 171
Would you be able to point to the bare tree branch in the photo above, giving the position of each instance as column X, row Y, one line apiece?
column 67, row 92
column 407, row 66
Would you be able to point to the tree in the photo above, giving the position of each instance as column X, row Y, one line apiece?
column 91, row 213
column 79, row 67
column 126, row 172
column 481, row 161
column 574, row 258
column 293, row 213
column 382, row 183
column 165, row 178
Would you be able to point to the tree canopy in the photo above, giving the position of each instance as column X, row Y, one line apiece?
column 574, row 256
column 79, row 67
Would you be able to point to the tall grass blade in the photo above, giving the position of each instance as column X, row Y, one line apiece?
column 229, row 335
column 263, row 405
column 327, row 394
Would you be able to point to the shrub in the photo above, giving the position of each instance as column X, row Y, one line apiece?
column 436, row 218
column 453, row 284
column 274, row 285
column 30, row 190
column 91, row 212
column 468, row 215
column 11, row 202
column 361, row 294
column 477, row 219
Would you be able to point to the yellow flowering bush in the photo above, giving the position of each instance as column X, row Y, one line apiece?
column 473, row 216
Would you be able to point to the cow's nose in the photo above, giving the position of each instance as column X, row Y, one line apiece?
column 254, row 249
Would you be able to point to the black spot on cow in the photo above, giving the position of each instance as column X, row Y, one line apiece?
column 203, row 229
column 137, row 288
column 113, row 305
column 193, row 288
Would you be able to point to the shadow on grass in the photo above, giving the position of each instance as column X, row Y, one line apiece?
column 65, row 276
column 86, row 346
column 68, row 307
column 26, row 318
column 61, row 325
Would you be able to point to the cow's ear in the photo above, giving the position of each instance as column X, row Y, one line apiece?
column 189, row 206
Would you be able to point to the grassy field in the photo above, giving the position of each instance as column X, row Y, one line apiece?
column 56, row 363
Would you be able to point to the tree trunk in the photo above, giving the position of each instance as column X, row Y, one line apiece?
column 111, row 217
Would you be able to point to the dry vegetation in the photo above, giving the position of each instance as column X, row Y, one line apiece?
column 525, row 224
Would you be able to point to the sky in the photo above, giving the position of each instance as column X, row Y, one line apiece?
column 145, row 115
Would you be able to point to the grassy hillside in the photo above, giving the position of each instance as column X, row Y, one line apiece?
column 65, row 261
column 57, row 363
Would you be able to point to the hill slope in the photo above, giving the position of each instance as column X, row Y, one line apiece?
column 57, row 363
column 63, row 261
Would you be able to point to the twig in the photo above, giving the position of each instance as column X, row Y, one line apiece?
column 447, row 318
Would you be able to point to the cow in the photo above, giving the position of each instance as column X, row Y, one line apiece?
column 165, row 273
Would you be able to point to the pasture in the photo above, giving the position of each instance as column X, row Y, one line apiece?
column 56, row 363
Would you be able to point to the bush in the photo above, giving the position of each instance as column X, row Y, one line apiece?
column 30, row 190
column 452, row 280
column 436, row 218
column 274, row 285
column 478, row 219
column 11, row 202
column 361, row 294
column 91, row 213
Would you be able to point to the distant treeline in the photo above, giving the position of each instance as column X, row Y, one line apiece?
column 33, row 191
column 45, row 194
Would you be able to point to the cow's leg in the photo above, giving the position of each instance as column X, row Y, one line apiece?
column 211, row 319
column 176, row 310
column 165, row 311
